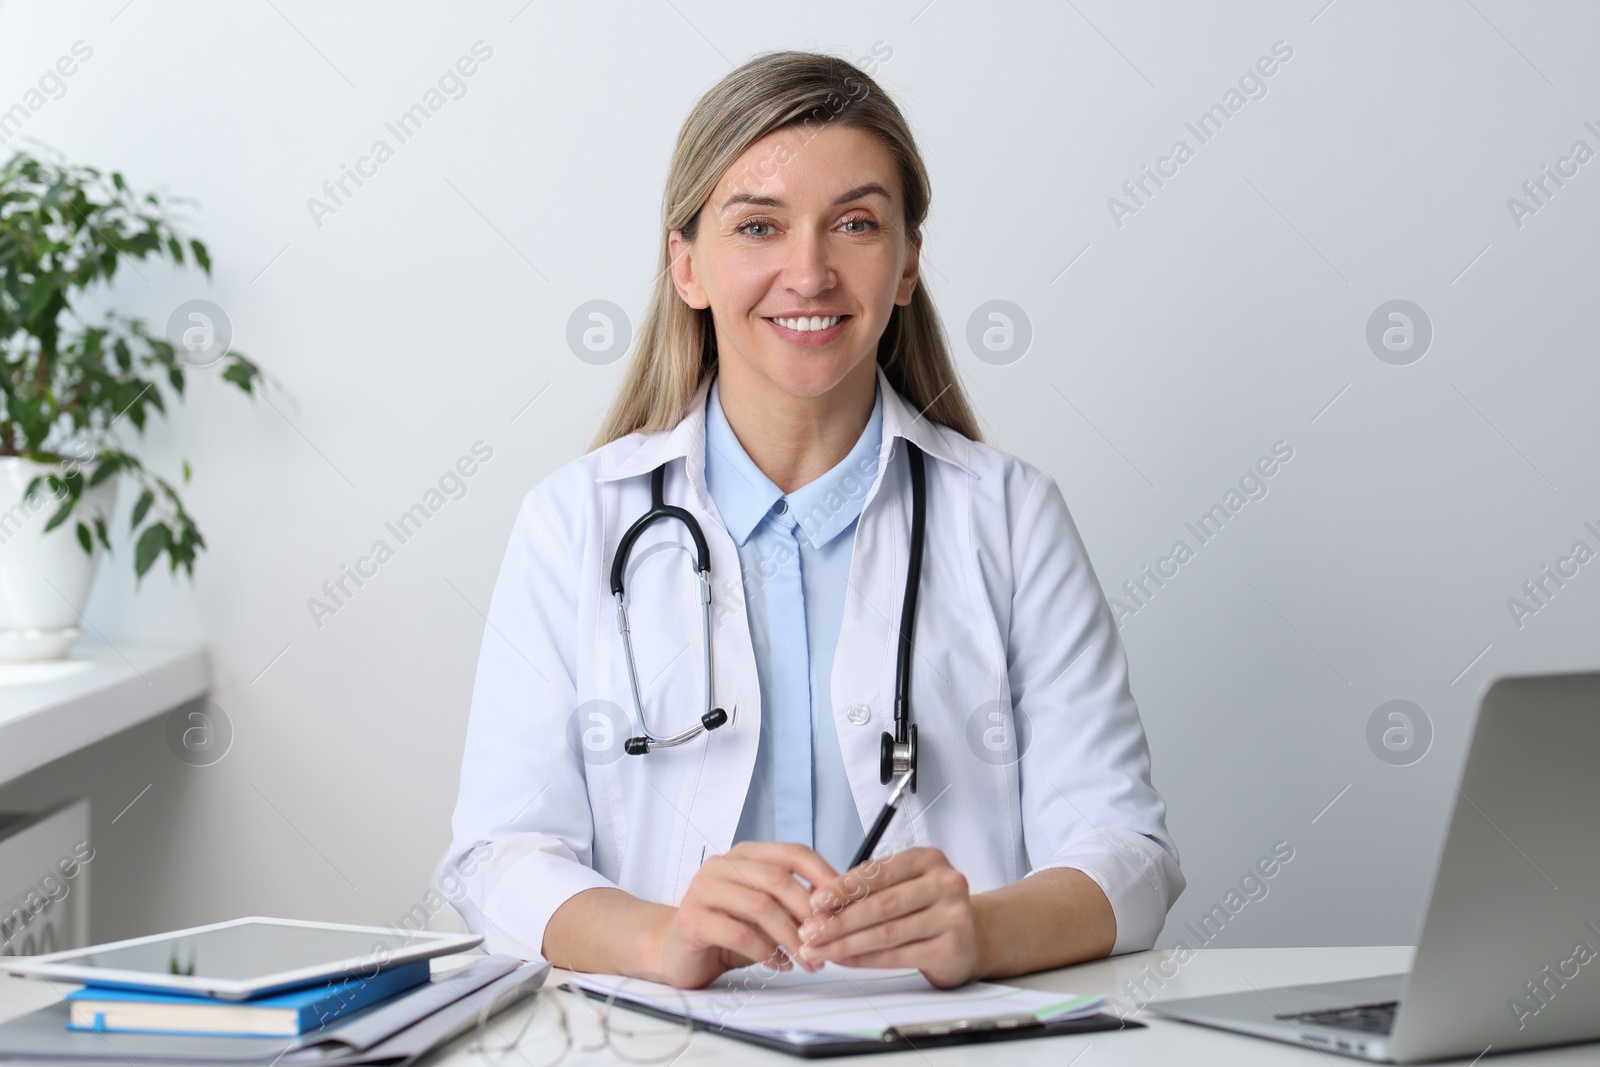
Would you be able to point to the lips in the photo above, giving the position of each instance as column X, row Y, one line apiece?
column 808, row 329
column 806, row 323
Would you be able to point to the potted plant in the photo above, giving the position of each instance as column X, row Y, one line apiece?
column 69, row 387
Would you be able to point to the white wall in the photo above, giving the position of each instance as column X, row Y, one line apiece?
column 1226, row 314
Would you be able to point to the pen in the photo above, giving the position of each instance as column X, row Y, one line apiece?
column 875, row 835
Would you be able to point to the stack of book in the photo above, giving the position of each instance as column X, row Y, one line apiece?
column 109, row 1009
column 269, row 992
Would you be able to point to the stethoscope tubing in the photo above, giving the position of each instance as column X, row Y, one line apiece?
column 709, row 719
column 899, row 755
column 898, row 750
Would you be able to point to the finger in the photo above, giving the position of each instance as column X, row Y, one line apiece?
column 890, row 933
column 790, row 856
column 936, row 900
column 918, row 954
column 872, row 876
column 833, row 896
column 718, row 930
column 759, row 910
column 878, row 907
column 716, row 879
column 776, row 881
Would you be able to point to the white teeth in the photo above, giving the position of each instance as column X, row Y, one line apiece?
column 808, row 325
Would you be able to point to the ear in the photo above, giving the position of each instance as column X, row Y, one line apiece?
column 683, row 275
column 908, row 277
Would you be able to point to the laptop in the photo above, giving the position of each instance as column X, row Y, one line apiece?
column 1509, row 955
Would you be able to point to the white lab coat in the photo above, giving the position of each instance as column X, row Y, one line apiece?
column 1010, row 614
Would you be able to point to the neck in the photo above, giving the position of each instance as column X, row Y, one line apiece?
column 796, row 439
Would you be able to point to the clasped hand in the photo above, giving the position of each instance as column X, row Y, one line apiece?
column 749, row 905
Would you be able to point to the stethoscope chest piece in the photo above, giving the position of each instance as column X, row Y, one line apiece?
column 898, row 758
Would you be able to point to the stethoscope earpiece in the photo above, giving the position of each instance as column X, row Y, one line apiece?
column 638, row 746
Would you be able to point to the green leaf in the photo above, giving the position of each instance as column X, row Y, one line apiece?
column 175, row 246
column 186, row 472
column 83, row 539
column 105, row 470
column 60, row 516
column 100, row 531
column 146, row 498
column 151, row 543
column 201, row 256
column 241, row 372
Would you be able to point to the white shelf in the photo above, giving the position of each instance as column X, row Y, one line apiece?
column 51, row 709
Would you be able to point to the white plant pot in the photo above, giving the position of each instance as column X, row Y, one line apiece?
column 44, row 577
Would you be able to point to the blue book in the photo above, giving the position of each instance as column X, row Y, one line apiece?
column 277, row 1015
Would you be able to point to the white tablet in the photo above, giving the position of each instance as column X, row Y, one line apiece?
column 241, row 958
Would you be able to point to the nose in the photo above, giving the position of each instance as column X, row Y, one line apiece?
column 808, row 269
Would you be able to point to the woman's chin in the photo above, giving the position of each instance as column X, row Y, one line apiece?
column 809, row 375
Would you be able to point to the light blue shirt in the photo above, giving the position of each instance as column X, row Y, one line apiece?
column 794, row 552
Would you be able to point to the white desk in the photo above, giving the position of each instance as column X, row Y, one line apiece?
column 1162, row 1042
column 50, row 709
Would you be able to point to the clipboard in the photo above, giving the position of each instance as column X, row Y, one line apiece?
column 898, row 1039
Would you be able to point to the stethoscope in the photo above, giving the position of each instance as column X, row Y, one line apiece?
column 897, row 752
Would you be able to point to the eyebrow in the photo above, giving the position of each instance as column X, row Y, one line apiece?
column 860, row 191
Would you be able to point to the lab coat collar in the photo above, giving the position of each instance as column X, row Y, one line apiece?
column 688, row 439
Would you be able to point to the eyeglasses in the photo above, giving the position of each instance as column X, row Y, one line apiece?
column 539, row 1029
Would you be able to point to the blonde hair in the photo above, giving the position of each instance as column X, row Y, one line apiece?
column 677, row 343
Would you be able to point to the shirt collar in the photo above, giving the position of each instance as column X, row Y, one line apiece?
column 822, row 508
column 687, row 439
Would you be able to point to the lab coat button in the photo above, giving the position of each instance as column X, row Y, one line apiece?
column 859, row 714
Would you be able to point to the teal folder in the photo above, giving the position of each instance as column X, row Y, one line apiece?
column 277, row 1015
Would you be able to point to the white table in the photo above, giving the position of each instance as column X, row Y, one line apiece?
column 1161, row 1042
column 53, row 708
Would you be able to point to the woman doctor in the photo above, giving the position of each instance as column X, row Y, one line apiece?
column 789, row 371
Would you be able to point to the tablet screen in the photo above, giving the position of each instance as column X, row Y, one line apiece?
column 242, row 958
column 246, row 951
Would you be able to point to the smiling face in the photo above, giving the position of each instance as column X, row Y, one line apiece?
column 801, row 256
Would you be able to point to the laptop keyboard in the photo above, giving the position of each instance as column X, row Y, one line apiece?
column 1367, row 1018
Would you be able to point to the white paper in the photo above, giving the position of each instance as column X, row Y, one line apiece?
column 838, row 1002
